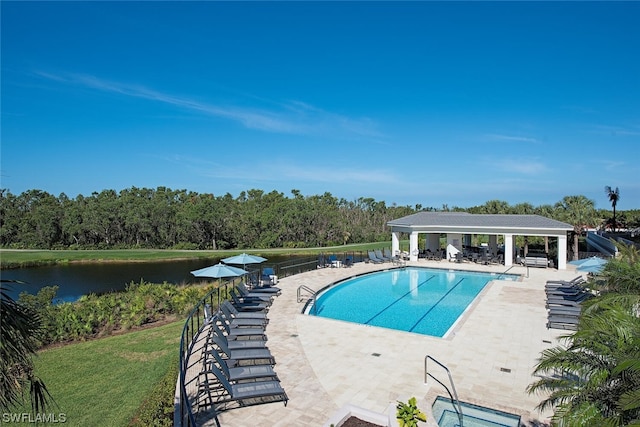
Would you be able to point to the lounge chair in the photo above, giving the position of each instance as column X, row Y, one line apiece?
column 566, row 291
column 563, row 320
column 387, row 254
column 243, row 373
column 561, row 325
column 564, row 310
column 379, row 255
column 248, row 393
column 252, row 296
column 576, row 281
column 556, row 287
column 568, row 298
column 236, row 344
column 244, row 332
column 244, row 355
column 237, row 321
column 322, row 262
column 373, row 258
column 248, row 304
column 244, row 314
column 268, row 277
column 263, row 290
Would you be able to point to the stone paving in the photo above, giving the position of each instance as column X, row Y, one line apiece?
column 325, row 365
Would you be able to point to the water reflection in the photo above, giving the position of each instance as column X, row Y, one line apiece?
column 75, row 280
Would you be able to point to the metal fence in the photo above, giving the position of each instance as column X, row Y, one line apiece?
column 184, row 415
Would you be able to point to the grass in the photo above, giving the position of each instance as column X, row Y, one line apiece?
column 103, row 382
column 10, row 258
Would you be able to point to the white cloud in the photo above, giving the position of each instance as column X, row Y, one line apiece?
column 511, row 138
column 295, row 117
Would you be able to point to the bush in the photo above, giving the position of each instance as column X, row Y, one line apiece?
column 99, row 315
column 157, row 409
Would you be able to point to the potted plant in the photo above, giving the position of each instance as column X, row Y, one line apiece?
column 408, row 413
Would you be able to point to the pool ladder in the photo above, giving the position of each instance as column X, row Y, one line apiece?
column 305, row 292
column 454, row 397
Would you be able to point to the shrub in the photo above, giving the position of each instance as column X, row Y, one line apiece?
column 408, row 413
column 157, row 409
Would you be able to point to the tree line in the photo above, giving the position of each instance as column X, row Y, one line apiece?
column 163, row 218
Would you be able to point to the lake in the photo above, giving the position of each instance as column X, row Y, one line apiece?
column 75, row 280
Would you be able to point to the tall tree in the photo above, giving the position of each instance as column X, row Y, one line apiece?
column 614, row 196
column 578, row 211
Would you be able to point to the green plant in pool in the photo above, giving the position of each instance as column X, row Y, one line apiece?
column 408, row 413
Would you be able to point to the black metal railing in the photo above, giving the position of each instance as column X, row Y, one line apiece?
column 184, row 415
column 195, row 321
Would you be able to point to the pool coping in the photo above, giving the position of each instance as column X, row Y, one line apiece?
column 323, row 367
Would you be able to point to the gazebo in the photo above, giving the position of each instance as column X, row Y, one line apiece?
column 461, row 226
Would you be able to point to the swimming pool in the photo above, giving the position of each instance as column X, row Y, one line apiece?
column 445, row 414
column 413, row 299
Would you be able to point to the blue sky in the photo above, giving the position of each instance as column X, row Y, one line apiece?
column 409, row 103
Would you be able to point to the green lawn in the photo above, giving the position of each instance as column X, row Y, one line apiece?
column 103, row 382
column 23, row 258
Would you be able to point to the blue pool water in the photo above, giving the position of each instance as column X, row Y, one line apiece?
column 472, row 415
column 413, row 299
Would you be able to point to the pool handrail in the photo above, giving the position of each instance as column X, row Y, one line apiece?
column 312, row 296
column 454, row 396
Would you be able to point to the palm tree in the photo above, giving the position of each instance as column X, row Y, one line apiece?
column 578, row 211
column 595, row 380
column 614, row 196
column 19, row 329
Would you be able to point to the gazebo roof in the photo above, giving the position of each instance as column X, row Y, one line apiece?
column 462, row 222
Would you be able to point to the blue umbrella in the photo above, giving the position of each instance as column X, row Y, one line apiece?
column 594, row 260
column 219, row 271
column 592, row 265
column 244, row 259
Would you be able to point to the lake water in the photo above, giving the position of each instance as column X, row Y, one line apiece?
column 75, row 280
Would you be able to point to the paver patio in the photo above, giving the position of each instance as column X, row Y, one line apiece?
column 325, row 364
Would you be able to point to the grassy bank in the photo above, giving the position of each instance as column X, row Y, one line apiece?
column 10, row 258
column 103, row 382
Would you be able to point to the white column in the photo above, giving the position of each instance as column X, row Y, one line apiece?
column 493, row 244
column 395, row 243
column 508, row 250
column 413, row 246
column 562, row 252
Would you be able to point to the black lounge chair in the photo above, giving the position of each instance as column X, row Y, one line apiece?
column 247, row 393
column 575, row 281
column 267, row 278
column 564, row 310
column 248, row 305
column 237, row 321
column 243, row 332
column 236, row 344
column 256, row 356
column 568, row 299
column 374, row 259
column 252, row 296
column 266, row 290
column 244, row 314
column 244, row 373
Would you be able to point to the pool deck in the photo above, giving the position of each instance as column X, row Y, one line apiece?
column 326, row 364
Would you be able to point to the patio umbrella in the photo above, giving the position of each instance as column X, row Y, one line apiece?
column 219, row 271
column 583, row 260
column 244, row 259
